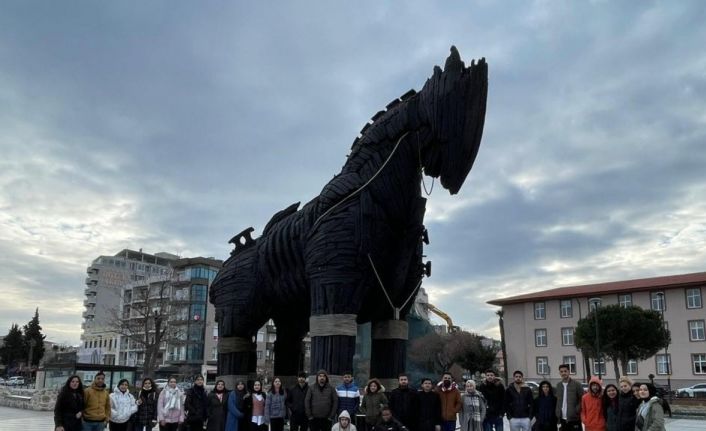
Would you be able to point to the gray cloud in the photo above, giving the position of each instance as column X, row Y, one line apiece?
column 171, row 127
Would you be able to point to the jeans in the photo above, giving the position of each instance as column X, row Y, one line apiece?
column 491, row 422
column 520, row 424
column 93, row 426
column 448, row 425
column 299, row 424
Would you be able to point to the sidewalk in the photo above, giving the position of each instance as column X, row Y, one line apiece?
column 28, row 420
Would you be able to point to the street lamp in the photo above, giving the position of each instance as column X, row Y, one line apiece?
column 663, row 305
column 595, row 302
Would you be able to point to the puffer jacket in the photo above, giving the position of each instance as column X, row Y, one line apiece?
column 627, row 411
column 147, row 410
column 321, row 402
column 653, row 419
column 122, row 406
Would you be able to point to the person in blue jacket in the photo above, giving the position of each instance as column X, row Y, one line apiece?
column 348, row 396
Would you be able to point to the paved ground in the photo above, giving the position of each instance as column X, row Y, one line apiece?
column 27, row 420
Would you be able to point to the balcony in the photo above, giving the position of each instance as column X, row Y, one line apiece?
column 90, row 301
column 89, row 314
column 90, row 290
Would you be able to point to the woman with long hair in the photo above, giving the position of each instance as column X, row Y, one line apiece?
column 237, row 417
column 170, row 406
column 650, row 414
column 373, row 402
column 545, row 408
column 217, row 404
column 275, row 408
column 257, row 407
column 69, row 406
column 122, row 406
column 611, row 408
column 146, row 406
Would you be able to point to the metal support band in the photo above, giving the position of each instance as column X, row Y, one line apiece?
column 325, row 325
column 390, row 330
column 235, row 344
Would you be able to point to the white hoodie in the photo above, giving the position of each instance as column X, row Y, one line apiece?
column 122, row 406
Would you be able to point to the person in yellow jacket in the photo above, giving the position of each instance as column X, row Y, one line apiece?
column 96, row 412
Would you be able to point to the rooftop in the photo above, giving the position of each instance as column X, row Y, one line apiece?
column 626, row 286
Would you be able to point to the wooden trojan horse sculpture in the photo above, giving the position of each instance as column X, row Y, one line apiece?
column 353, row 254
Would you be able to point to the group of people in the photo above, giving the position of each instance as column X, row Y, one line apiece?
column 629, row 407
column 321, row 407
column 95, row 407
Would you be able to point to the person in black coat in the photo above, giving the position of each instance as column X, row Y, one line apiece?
column 627, row 405
column 545, row 408
column 493, row 390
column 217, row 407
column 146, row 401
column 69, row 406
column 429, row 414
column 295, row 403
column 404, row 403
column 196, row 406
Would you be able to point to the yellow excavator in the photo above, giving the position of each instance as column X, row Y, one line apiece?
column 449, row 323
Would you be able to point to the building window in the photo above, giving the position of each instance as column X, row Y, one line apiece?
column 664, row 363
column 696, row 330
column 198, row 293
column 699, row 361
column 540, row 311
column 540, row 337
column 657, row 301
column 566, row 309
column 571, row 362
column 625, row 300
column 215, row 332
column 693, row 298
column 632, row 366
column 567, row 336
column 198, row 311
column 542, row 365
column 259, row 354
column 599, row 367
column 214, row 353
column 593, row 303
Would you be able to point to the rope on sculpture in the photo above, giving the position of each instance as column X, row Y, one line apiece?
column 324, row 325
column 390, row 330
column 421, row 170
column 382, row 286
column 359, row 189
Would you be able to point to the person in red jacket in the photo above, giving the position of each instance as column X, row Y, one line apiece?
column 592, row 406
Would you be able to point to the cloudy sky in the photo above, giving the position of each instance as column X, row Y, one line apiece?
column 170, row 126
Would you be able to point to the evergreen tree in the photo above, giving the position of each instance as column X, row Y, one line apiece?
column 14, row 348
column 33, row 331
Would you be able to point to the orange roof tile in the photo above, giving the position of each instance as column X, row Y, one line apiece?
column 665, row 282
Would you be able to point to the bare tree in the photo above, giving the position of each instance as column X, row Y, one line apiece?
column 143, row 318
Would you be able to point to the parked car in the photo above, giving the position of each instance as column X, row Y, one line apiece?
column 161, row 383
column 184, row 385
column 2, row 381
column 16, row 381
column 534, row 386
column 697, row 390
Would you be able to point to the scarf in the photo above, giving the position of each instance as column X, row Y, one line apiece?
column 172, row 398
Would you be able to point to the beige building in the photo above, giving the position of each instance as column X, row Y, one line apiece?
column 538, row 328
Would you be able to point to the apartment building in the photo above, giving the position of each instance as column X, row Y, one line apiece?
column 539, row 328
column 106, row 276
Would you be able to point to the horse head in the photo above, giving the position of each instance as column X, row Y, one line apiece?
column 451, row 114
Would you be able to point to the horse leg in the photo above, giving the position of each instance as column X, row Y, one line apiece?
column 237, row 358
column 289, row 349
column 388, row 350
column 333, row 270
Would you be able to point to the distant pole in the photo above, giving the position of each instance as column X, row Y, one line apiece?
column 595, row 302
column 663, row 302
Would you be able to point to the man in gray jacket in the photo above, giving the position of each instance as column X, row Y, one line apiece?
column 321, row 403
column 568, row 405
